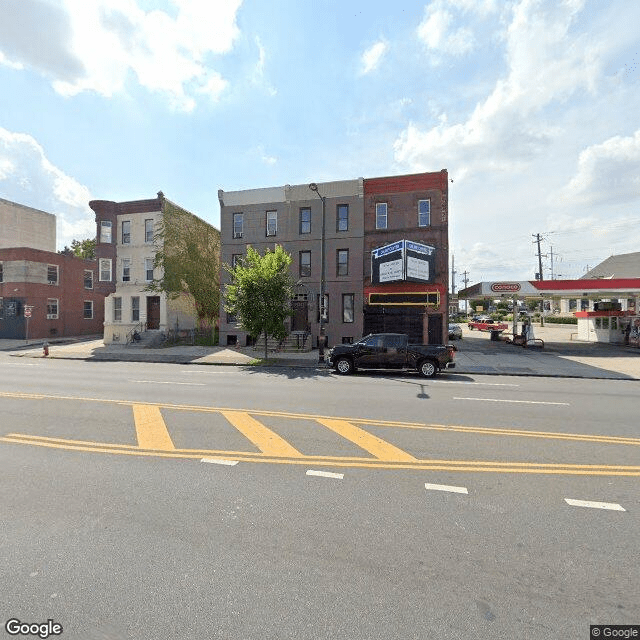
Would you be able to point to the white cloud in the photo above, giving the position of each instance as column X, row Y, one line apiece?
column 29, row 178
column 436, row 33
column 100, row 44
column 371, row 58
column 545, row 66
column 607, row 173
column 259, row 76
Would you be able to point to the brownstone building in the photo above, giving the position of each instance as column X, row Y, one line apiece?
column 45, row 294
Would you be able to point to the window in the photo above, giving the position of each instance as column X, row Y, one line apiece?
column 381, row 215
column 272, row 223
column 342, row 217
column 126, row 269
column 1, row 273
column 347, row 339
column 424, row 213
column 305, row 220
column 347, row 307
column 52, row 274
column 117, row 309
column 148, row 230
column 236, row 259
column 126, row 232
column 105, row 231
column 105, row 269
column 231, row 318
column 148, row 269
column 342, row 262
column 324, row 308
column 305, row 263
column 88, row 279
column 88, row 310
column 1, row 308
column 237, row 225
column 135, row 308
column 52, row 309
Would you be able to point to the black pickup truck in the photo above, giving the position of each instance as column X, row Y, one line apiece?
column 391, row 351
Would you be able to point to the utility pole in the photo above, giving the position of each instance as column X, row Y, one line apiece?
column 538, row 240
column 466, row 283
column 453, row 275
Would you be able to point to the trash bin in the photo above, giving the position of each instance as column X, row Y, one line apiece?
column 495, row 336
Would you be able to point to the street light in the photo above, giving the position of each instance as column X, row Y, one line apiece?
column 321, row 338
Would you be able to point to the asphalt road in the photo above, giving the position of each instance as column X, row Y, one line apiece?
column 446, row 509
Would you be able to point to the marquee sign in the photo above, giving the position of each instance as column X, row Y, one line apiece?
column 403, row 260
column 505, row 287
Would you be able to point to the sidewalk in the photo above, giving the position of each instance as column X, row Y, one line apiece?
column 477, row 354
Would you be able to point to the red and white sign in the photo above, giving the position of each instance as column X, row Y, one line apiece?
column 27, row 313
column 505, row 287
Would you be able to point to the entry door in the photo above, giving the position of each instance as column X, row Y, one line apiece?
column 153, row 312
column 300, row 318
column 435, row 329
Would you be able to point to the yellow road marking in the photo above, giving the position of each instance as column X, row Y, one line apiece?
column 426, row 465
column 265, row 439
column 374, row 445
column 150, row 428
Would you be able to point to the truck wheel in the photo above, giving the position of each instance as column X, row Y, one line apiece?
column 427, row 368
column 344, row 366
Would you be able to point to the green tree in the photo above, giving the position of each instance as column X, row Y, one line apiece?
column 81, row 249
column 188, row 261
column 260, row 293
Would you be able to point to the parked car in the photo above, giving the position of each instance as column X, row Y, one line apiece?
column 455, row 332
column 391, row 351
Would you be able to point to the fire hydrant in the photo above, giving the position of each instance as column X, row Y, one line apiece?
column 45, row 349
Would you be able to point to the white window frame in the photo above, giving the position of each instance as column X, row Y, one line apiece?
column 238, row 225
column 53, row 303
column 126, row 269
column 148, row 267
column 423, row 213
column 126, row 237
column 106, row 232
column 57, row 270
column 117, row 309
column 272, row 223
column 380, row 215
column 134, row 309
column 345, row 308
column 105, row 262
column 84, row 310
column 148, row 230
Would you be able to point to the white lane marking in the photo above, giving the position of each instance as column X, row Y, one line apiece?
column 325, row 474
column 190, row 384
column 565, row 404
column 20, row 364
column 445, row 487
column 475, row 384
column 228, row 463
column 612, row 506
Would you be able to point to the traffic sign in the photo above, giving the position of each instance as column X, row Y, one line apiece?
column 27, row 313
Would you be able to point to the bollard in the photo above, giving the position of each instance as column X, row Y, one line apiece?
column 45, row 349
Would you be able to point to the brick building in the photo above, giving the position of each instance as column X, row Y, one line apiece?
column 56, row 290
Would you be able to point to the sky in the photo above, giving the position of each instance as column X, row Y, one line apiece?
column 533, row 107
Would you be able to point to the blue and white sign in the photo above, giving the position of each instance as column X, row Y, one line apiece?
column 403, row 260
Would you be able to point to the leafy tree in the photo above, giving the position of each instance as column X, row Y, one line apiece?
column 260, row 293
column 188, row 259
column 81, row 249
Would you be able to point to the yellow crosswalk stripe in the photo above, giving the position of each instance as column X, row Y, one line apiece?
column 378, row 447
column 150, row 428
column 265, row 439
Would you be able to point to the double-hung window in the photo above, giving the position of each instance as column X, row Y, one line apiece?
column 105, row 269
column 236, row 259
column 148, row 230
column 272, row 223
column 305, row 263
column 126, row 269
column 148, row 269
column 88, row 310
column 347, row 307
column 424, row 213
column 305, row 220
column 1, row 273
column 126, row 232
column 342, row 262
column 135, row 308
column 52, row 274
column 52, row 309
column 342, row 217
column 117, row 309
column 381, row 215
column 238, row 221
column 105, row 231
column 88, row 279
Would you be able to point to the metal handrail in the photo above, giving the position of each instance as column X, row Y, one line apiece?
column 141, row 327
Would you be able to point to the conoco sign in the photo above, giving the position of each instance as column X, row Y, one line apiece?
column 502, row 287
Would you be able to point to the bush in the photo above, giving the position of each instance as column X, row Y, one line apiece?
column 557, row 320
